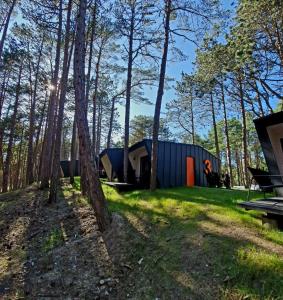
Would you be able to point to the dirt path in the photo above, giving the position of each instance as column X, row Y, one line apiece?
column 52, row 251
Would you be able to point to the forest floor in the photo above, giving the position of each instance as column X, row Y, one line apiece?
column 181, row 243
column 52, row 251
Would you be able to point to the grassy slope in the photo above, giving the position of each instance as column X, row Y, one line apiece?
column 182, row 244
column 196, row 242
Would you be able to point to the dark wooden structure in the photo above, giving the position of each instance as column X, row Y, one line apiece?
column 172, row 164
column 112, row 161
column 270, row 134
column 178, row 165
column 65, row 166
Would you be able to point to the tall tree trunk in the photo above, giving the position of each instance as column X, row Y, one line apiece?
column 99, row 121
column 156, row 120
column 37, row 160
column 6, row 170
column 2, row 129
column 93, row 29
column 97, row 67
column 84, row 184
column 2, row 41
column 216, row 141
column 56, row 158
column 226, row 130
column 2, row 126
column 244, row 133
column 238, row 166
column 6, row 78
column 23, row 168
column 128, row 96
column 109, row 136
column 73, row 151
column 192, row 119
column 30, row 156
column 95, row 192
column 19, row 162
column 47, row 148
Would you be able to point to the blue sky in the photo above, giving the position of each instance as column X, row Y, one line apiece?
column 174, row 71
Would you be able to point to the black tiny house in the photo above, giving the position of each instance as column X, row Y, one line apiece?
column 270, row 134
column 174, row 161
column 177, row 165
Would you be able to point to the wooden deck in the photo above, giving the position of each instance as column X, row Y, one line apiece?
column 273, row 205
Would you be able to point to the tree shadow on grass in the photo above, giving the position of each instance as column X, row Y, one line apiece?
column 186, row 260
column 166, row 255
column 218, row 199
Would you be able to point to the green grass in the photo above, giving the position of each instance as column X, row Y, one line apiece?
column 77, row 183
column 196, row 242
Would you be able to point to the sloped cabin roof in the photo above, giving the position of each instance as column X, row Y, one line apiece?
column 148, row 144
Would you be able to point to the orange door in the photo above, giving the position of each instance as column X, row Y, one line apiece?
column 190, row 171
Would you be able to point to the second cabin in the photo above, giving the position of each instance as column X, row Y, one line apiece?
column 177, row 164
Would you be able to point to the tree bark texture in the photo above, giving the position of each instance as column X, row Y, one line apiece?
column 95, row 192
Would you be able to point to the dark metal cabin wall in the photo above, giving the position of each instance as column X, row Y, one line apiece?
column 115, row 156
column 65, row 166
column 116, row 159
column 171, row 163
column 261, row 126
